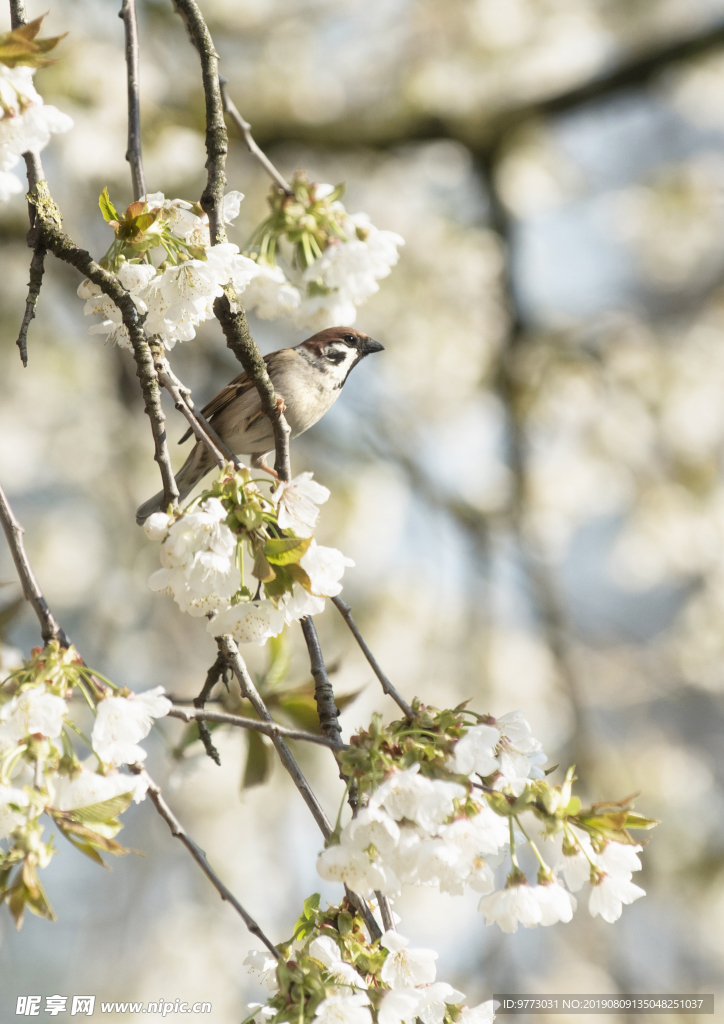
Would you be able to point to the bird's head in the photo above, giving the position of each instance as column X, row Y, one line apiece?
column 337, row 350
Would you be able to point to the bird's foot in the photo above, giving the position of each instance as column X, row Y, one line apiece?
column 281, row 405
column 259, row 462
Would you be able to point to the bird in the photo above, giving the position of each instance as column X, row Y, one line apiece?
column 308, row 379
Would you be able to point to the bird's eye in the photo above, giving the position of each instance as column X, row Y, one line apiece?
column 350, row 339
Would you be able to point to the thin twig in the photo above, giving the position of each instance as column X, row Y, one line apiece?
column 212, row 198
column 167, row 379
column 49, row 628
column 178, row 832
column 18, row 14
column 228, row 648
column 203, row 423
column 267, row 728
column 64, row 248
column 328, row 714
column 245, row 129
column 323, row 691
column 217, row 670
column 389, row 689
column 133, row 153
column 37, row 267
column 34, row 169
column 227, row 309
column 386, row 912
column 232, row 318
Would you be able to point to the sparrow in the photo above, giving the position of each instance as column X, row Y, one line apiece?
column 307, row 378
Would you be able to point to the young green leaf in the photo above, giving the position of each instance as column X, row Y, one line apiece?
column 107, row 208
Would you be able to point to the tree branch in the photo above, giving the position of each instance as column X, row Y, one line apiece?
column 18, row 14
column 34, row 169
column 185, row 407
column 328, row 714
column 49, row 628
column 202, row 429
column 65, row 249
column 267, row 728
column 133, row 153
column 232, row 318
column 230, row 651
column 178, row 832
column 323, row 691
column 346, row 613
column 245, row 129
column 212, row 197
column 37, row 267
column 217, row 670
column 227, row 309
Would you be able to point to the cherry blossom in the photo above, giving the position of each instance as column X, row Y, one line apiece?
column 344, row 1009
column 261, row 962
column 27, row 123
column 403, row 967
column 609, row 894
column 326, row 950
column 435, row 1000
column 513, row 905
column 297, row 502
column 122, row 721
column 12, row 802
column 400, row 1006
column 32, row 711
column 556, row 903
column 249, row 622
column 197, row 555
column 325, row 567
column 88, row 787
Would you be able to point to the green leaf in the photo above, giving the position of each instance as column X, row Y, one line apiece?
column 107, row 208
column 21, row 47
column 282, row 581
column 307, row 920
column 75, row 831
column 574, row 805
column 281, row 659
column 286, row 550
column 311, row 903
column 144, row 222
column 262, row 569
column 258, row 761
column 106, row 810
column 639, row 821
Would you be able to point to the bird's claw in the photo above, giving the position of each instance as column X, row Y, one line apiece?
column 259, row 462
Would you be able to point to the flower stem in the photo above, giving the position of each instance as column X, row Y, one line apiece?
column 534, row 848
column 513, row 855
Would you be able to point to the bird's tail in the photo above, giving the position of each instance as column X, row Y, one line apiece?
column 194, row 468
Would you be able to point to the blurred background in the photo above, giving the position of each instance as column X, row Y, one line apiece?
column 529, row 478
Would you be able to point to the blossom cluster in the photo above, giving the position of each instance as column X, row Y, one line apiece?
column 317, row 262
column 203, row 562
column 332, row 972
column 26, row 122
column 41, row 773
column 163, row 257
column 446, row 798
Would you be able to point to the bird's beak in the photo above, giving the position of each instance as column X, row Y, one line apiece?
column 369, row 345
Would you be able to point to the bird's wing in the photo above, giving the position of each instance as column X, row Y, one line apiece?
column 238, row 386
